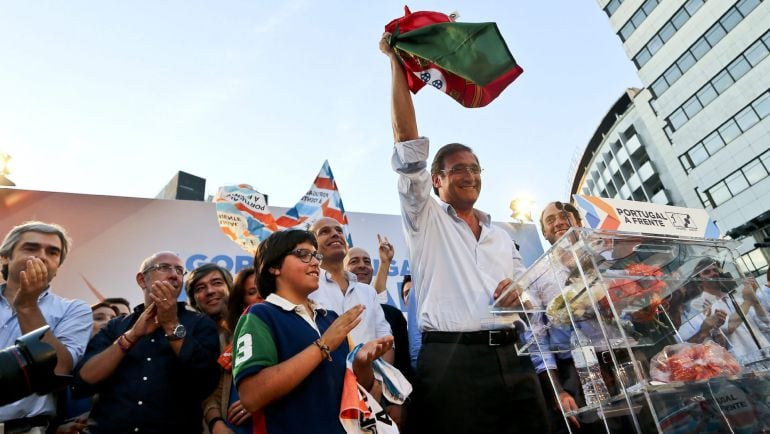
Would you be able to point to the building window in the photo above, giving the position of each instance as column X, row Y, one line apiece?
column 718, row 194
column 698, row 155
column 749, row 174
column 746, row 6
column 746, row 118
column 753, row 262
column 755, row 172
column 756, row 53
column 716, row 86
column 739, row 67
column 739, row 123
column 736, row 182
column 713, row 142
column 762, row 105
column 706, row 94
column 664, row 34
column 637, row 18
column 677, row 119
column 703, row 44
column 729, row 131
column 731, row 19
column 612, row 6
column 715, row 34
column 722, row 81
column 691, row 107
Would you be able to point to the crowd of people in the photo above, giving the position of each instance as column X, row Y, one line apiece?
column 269, row 350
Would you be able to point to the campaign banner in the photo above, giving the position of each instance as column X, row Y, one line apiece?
column 645, row 217
column 245, row 218
column 243, row 215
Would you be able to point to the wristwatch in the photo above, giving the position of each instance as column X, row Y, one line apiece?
column 179, row 332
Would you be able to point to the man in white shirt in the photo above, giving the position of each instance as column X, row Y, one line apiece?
column 338, row 289
column 469, row 378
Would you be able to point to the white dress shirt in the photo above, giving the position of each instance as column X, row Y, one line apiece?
column 454, row 274
column 329, row 295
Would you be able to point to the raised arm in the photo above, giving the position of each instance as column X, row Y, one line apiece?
column 69, row 336
column 386, row 252
column 402, row 109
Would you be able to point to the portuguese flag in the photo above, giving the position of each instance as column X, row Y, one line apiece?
column 468, row 61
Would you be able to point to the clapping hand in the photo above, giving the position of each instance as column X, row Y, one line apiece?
column 34, row 280
column 339, row 329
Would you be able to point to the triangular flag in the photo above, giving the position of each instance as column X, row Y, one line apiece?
column 322, row 200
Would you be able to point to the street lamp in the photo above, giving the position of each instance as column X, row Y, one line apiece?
column 522, row 208
column 5, row 170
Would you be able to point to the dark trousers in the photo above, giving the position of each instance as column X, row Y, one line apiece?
column 475, row 388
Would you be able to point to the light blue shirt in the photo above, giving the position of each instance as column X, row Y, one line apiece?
column 70, row 321
column 454, row 274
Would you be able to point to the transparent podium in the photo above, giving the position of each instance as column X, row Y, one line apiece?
column 647, row 333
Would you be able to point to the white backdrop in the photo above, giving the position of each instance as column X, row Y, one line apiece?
column 112, row 235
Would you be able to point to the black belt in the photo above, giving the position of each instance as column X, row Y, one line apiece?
column 25, row 424
column 493, row 338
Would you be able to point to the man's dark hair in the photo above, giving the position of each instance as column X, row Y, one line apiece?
column 201, row 272
column 438, row 160
column 104, row 304
column 117, row 300
column 407, row 278
column 272, row 251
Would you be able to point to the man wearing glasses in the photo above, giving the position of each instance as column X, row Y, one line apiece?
column 468, row 376
column 153, row 367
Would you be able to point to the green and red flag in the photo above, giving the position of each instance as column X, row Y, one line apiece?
column 468, row 61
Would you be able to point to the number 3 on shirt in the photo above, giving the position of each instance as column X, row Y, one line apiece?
column 244, row 349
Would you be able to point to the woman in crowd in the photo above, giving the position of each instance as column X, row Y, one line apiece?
column 289, row 355
column 244, row 294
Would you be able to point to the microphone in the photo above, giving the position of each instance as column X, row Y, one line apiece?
column 564, row 213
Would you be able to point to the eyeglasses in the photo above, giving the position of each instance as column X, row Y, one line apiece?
column 305, row 255
column 166, row 268
column 462, row 170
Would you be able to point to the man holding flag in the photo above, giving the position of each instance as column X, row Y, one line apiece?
column 469, row 378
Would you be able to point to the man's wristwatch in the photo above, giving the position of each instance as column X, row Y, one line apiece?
column 178, row 333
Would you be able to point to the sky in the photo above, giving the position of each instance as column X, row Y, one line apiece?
column 113, row 98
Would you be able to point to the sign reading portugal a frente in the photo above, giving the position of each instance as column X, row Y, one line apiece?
column 645, row 217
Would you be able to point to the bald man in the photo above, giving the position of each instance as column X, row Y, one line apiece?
column 359, row 263
column 152, row 368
